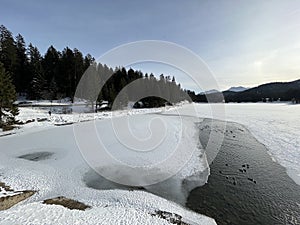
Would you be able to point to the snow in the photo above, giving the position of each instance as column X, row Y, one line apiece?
column 111, row 214
column 276, row 125
column 4, row 193
column 28, row 113
column 65, row 172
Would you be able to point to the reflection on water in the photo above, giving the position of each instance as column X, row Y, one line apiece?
column 245, row 185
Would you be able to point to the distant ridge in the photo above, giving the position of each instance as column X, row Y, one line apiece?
column 209, row 91
column 275, row 91
column 237, row 89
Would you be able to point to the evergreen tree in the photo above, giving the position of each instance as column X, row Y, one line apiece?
column 38, row 87
column 8, row 51
column 88, row 60
column 79, row 67
column 68, row 71
column 21, row 72
column 131, row 73
column 8, row 110
column 52, row 90
column 35, row 68
column 51, row 64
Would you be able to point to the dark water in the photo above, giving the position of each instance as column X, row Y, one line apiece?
column 37, row 156
column 245, row 186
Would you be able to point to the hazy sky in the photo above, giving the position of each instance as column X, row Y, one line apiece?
column 243, row 42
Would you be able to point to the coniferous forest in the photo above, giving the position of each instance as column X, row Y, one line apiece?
column 56, row 74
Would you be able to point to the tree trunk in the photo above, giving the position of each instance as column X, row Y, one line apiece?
column 0, row 116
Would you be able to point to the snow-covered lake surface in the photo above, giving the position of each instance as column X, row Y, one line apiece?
column 42, row 157
column 277, row 126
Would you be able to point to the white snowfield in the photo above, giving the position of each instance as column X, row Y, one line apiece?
column 57, row 169
column 65, row 173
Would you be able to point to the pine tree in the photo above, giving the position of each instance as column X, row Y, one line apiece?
column 52, row 89
column 38, row 86
column 38, row 81
column 68, row 71
column 79, row 67
column 8, row 51
column 88, row 60
column 21, row 72
column 51, row 64
column 8, row 110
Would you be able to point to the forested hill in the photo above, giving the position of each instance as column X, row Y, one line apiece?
column 283, row 91
column 276, row 91
column 56, row 74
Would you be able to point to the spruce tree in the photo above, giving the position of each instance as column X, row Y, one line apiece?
column 21, row 71
column 8, row 51
column 8, row 110
column 38, row 80
column 79, row 68
column 51, row 64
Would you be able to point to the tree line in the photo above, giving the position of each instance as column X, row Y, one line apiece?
column 121, row 86
column 56, row 74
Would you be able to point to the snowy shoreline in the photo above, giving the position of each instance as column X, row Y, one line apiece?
column 46, row 159
column 276, row 125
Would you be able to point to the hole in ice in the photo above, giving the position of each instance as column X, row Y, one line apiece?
column 36, row 156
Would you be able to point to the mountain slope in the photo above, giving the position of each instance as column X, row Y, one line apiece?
column 283, row 91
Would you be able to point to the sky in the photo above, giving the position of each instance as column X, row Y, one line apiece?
column 244, row 43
